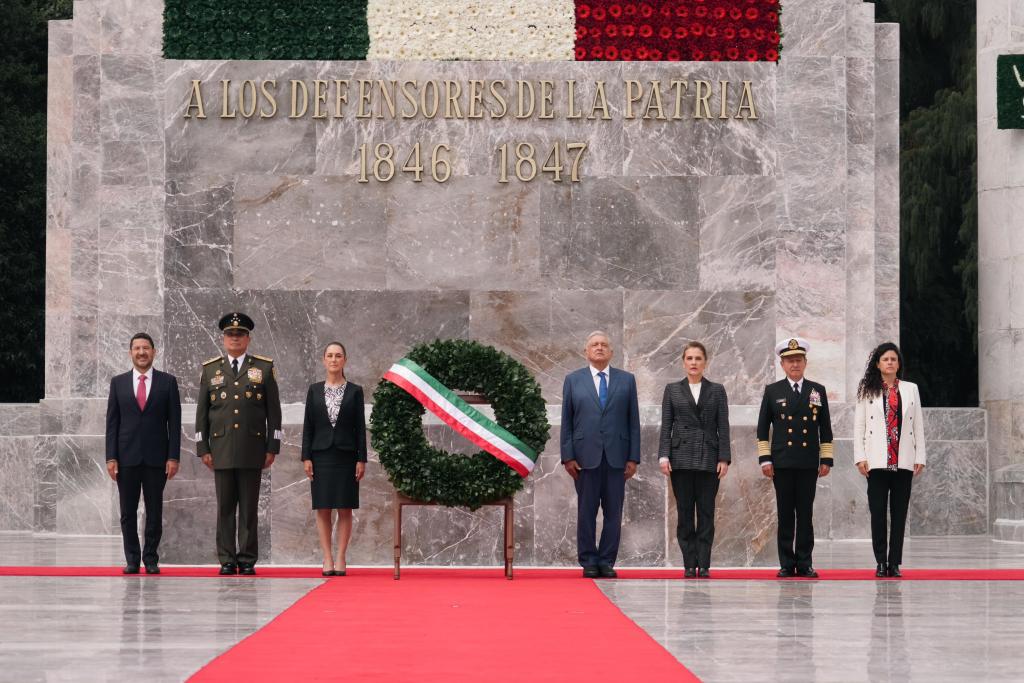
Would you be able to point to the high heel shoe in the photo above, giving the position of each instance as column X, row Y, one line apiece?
column 328, row 572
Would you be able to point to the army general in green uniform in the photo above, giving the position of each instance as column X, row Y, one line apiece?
column 238, row 434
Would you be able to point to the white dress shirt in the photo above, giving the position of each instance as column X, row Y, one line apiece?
column 695, row 390
column 597, row 380
column 135, row 384
column 240, row 359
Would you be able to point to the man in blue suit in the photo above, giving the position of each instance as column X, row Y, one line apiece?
column 143, row 448
column 600, row 450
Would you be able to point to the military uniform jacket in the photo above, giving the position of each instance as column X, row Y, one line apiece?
column 800, row 430
column 238, row 417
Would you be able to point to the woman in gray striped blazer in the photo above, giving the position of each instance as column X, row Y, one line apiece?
column 694, row 453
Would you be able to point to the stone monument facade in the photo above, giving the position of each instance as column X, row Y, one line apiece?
column 733, row 231
column 1001, row 270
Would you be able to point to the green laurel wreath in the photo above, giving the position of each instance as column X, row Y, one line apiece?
column 432, row 475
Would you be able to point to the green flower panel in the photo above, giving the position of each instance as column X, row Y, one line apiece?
column 265, row 29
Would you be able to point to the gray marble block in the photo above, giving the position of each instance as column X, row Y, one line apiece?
column 733, row 232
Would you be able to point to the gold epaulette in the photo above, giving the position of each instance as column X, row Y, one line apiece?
column 764, row 448
column 263, row 358
column 826, row 450
column 213, row 360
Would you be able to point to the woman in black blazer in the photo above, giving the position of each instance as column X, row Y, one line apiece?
column 334, row 453
column 694, row 452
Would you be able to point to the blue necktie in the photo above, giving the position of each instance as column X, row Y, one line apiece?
column 602, row 391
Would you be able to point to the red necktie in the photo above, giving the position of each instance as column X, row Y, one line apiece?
column 140, row 393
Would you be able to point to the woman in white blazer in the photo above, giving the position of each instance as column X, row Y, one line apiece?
column 888, row 447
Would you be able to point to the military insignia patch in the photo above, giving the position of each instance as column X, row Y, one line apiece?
column 255, row 375
column 217, row 380
column 815, row 398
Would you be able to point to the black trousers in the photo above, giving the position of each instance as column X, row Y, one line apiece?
column 237, row 490
column 695, row 492
column 601, row 487
column 892, row 489
column 149, row 481
column 794, row 501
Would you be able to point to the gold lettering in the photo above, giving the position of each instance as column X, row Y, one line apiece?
column 296, row 86
column 340, row 97
column 387, row 98
column 410, row 98
column 522, row 88
column 499, row 99
column 546, row 110
column 572, row 113
column 680, row 88
column 600, row 102
column 269, row 94
column 654, row 102
column 195, row 101
column 722, row 113
column 746, row 102
column 476, row 98
column 319, row 98
column 225, row 88
column 631, row 99
column 702, row 100
column 436, row 101
column 364, row 99
column 452, row 90
column 250, row 88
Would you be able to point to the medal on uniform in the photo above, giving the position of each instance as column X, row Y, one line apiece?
column 259, row 397
column 217, row 380
column 213, row 395
column 223, row 394
column 255, row 375
column 815, row 398
column 248, row 394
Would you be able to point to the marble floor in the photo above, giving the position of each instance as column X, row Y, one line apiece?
column 100, row 629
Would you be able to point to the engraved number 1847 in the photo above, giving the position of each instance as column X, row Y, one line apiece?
column 524, row 165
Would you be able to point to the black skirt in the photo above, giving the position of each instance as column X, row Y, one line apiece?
column 334, row 484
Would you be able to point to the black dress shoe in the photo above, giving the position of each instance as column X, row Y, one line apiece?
column 807, row 573
column 247, row 569
column 894, row 571
column 130, row 569
column 591, row 573
column 880, row 571
column 786, row 573
column 228, row 569
column 704, row 573
column 690, row 574
column 607, row 572
column 152, row 569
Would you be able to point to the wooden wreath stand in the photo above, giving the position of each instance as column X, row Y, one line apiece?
column 401, row 500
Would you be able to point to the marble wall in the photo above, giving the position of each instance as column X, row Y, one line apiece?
column 1000, row 259
column 733, row 232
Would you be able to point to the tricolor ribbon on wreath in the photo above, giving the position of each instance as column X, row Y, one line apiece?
column 462, row 417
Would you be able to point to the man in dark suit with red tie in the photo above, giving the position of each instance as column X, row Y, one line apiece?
column 143, row 448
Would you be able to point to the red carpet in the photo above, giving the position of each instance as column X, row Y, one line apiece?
column 449, row 627
column 749, row 574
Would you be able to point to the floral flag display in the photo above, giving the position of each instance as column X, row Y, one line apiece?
column 514, row 30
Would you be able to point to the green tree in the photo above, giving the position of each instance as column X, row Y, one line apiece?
column 938, row 196
column 23, row 194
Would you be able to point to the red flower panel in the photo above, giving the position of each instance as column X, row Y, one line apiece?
column 674, row 30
